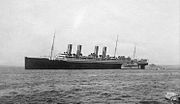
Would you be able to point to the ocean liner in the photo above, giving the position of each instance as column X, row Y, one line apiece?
column 69, row 60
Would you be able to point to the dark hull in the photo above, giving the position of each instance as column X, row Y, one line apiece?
column 44, row 63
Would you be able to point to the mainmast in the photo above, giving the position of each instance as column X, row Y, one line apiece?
column 116, row 47
column 52, row 48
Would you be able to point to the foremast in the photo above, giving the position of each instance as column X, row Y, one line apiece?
column 52, row 47
column 116, row 47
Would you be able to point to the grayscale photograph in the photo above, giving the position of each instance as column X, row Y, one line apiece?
column 89, row 52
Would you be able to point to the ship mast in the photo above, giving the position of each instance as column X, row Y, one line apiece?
column 116, row 47
column 134, row 52
column 52, row 48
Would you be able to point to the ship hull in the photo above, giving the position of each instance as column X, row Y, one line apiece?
column 45, row 63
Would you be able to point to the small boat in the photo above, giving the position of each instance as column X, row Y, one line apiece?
column 174, row 98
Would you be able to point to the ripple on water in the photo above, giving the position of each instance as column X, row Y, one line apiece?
column 87, row 86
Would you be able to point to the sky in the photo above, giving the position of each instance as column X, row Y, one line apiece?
column 27, row 28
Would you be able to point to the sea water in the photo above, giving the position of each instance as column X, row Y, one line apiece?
column 128, row 86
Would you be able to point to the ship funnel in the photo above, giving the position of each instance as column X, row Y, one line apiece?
column 96, row 51
column 104, row 52
column 79, row 50
column 69, row 50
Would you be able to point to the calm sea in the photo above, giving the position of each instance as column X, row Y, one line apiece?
column 21, row 86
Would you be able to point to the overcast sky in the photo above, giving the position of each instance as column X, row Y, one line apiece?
column 27, row 27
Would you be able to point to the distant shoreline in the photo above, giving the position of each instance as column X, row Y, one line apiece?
column 9, row 66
